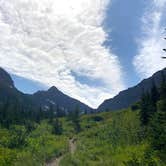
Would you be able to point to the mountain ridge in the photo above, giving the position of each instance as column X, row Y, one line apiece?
column 53, row 96
column 5, row 79
column 133, row 94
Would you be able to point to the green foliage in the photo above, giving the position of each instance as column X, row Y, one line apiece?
column 149, row 105
column 117, row 135
column 109, row 139
column 7, row 156
column 4, row 138
column 21, row 148
column 122, row 138
column 44, row 145
column 17, row 136
column 135, row 106
column 134, row 161
column 157, row 134
column 153, row 118
column 146, row 109
column 97, row 118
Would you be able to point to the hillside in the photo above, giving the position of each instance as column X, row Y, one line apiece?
column 108, row 139
column 128, row 137
column 130, row 96
column 9, row 94
column 57, row 98
column 41, row 99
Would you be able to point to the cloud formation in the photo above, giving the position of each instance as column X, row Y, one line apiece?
column 48, row 40
column 151, row 44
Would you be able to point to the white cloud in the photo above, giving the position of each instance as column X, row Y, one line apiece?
column 45, row 40
column 152, row 43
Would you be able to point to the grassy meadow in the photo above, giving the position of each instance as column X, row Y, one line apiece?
column 107, row 139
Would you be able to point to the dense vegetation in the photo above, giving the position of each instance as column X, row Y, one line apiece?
column 132, row 137
column 118, row 139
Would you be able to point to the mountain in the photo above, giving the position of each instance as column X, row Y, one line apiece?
column 39, row 99
column 7, row 88
column 5, row 79
column 130, row 96
column 55, row 97
column 9, row 93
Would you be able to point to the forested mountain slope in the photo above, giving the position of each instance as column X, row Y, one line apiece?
column 128, row 97
column 41, row 99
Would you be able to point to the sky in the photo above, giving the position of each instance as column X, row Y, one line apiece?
column 88, row 49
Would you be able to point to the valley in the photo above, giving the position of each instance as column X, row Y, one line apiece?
column 33, row 136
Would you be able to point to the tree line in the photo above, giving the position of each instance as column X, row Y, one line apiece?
column 153, row 117
column 12, row 113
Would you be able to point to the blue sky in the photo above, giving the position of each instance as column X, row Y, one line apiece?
column 88, row 49
column 124, row 26
column 26, row 85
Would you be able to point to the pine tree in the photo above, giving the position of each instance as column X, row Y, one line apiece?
column 163, row 86
column 5, row 121
column 154, row 97
column 158, row 124
column 51, row 113
column 158, row 130
column 74, row 116
column 57, row 127
column 145, row 109
column 149, row 105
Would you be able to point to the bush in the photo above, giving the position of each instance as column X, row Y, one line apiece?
column 7, row 157
column 135, row 107
column 97, row 118
column 17, row 136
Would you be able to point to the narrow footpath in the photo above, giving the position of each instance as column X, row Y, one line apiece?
column 56, row 161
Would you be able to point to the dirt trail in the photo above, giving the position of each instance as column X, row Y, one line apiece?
column 54, row 162
column 72, row 148
column 72, row 145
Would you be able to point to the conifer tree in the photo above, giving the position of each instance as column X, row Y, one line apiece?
column 158, row 123
column 74, row 116
column 57, row 127
column 145, row 109
column 154, row 97
column 51, row 113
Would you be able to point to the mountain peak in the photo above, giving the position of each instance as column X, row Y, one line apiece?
column 40, row 98
column 53, row 89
